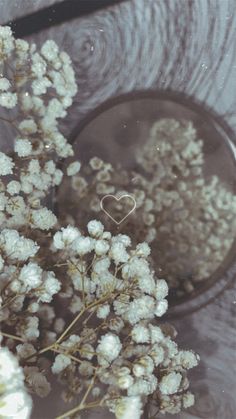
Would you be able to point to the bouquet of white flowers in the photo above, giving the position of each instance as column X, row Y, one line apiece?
column 84, row 307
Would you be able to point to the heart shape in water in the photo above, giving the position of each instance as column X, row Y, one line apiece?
column 112, row 199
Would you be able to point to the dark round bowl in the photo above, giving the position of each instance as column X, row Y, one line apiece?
column 115, row 128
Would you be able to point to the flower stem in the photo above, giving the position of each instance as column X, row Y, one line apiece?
column 82, row 406
column 8, row 335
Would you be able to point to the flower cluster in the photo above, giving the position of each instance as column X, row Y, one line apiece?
column 82, row 307
column 176, row 205
column 115, row 290
column 14, row 400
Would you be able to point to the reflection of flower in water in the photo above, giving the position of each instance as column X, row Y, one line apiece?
column 189, row 219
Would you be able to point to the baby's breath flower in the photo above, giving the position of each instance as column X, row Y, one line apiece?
column 8, row 100
column 96, row 163
column 140, row 334
column 102, row 331
column 83, row 245
column 31, row 275
column 6, row 165
column 101, row 247
column 28, row 126
column 95, row 228
column 14, row 401
column 16, row 246
column 170, row 383
column 13, row 187
column 109, row 347
column 103, row 311
column 50, row 50
column 60, row 363
column 65, row 237
column 4, row 84
column 23, row 147
column 143, row 249
column 73, row 168
column 43, row 219
column 129, row 407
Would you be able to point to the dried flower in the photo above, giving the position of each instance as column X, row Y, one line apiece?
column 84, row 306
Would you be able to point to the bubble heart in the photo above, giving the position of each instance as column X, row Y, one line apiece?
column 113, row 205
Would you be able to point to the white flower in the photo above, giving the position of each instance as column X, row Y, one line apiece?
column 75, row 304
column 71, row 342
column 50, row 167
column 187, row 359
column 125, row 381
column 170, row 383
column 34, row 166
column 87, row 351
column 83, row 245
column 101, row 247
column 15, row 205
column 3, row 201
column 129, row 407
column 31, row 275
column 13, row 187
column 118, row 253
column 28, row 126
column 188, row 400
column 6, row 41
column 95, row 228
column 6, row 164
column 30, row 330
column 109, row 347
column 1, row 263
column 143, row 249
column 4, row 84
column 156, row 334
column 136, row 267
column 23, row 147
column 122, row 238
column 140, row 308
column 102, row 265
column 43, row 219
column 73, row 168
column 161, row 308
column 33, row 307
column 65, row 237
column 8, row 100
column 161, row 289
column 158, row 355
column 51, row 286
column 15, row 404
column 60, row 363
column 96, row 163
column 57, row 177
column 140, row 334
column 103, row 311
column 16, row 246
column 14, row 401
column 39, row 65
column 39, row 86
column 49, row 50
